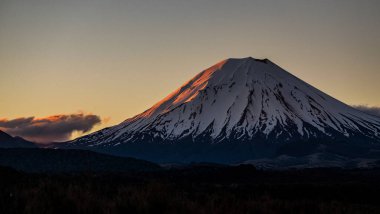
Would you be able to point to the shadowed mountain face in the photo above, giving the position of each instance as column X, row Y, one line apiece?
column 7, row 141
column 237, row 110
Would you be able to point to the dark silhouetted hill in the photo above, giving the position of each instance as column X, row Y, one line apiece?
column 57, row 161
column 7, row 141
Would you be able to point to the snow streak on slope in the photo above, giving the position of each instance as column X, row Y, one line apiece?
column 242, row 99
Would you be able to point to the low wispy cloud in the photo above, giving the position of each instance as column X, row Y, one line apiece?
column 372, row 110
column 54, row 128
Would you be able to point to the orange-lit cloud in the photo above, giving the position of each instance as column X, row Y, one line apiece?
column 54, row 128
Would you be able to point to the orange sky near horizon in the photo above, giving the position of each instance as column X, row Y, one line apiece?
column 117, row 58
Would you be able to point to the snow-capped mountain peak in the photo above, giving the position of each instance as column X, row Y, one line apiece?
column 242, row 99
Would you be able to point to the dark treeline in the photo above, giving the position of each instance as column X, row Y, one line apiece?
column 195, row 189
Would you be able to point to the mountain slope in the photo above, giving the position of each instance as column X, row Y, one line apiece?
column 235, row 101
column 7, row 141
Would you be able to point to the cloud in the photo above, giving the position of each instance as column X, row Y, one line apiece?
column 54, row 128
column 372, row 110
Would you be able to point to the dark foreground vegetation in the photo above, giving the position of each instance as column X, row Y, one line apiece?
column 194, row 189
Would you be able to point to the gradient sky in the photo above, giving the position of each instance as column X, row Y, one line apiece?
column 116, row 58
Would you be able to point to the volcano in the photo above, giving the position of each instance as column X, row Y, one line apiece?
column 240, row 110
